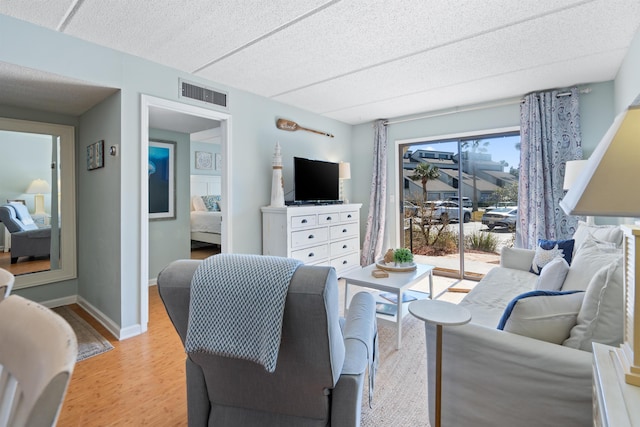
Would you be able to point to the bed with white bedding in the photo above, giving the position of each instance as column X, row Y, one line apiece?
column 206, row 225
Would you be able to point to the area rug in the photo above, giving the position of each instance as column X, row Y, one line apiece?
column 90, row 342
column 400, row 393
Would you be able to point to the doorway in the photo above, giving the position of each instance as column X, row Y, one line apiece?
column 152, row 105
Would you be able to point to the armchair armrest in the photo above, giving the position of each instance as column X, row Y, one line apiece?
column 518, row 259
column 360, row 340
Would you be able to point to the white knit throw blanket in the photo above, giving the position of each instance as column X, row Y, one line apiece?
column 237, row 305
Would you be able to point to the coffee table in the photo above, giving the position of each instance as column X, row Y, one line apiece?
column 396, row 283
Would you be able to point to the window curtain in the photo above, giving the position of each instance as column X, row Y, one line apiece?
column 374, row 236
column 549, row 136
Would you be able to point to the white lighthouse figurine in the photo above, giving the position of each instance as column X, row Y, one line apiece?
column 277, row 182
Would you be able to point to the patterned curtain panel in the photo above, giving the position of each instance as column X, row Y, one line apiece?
column 374, row 236
column 550, row 136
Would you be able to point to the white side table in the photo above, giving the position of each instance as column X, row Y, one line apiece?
column 439, row 313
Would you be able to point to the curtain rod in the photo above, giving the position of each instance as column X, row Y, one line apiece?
column 479, row 107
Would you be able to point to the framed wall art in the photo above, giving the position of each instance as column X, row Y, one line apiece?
column 218, row 161
column 204, row 160
column 162, row 179
column 95, row 155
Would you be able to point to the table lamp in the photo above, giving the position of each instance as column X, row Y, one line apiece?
column 38, row 187
column 606, row 187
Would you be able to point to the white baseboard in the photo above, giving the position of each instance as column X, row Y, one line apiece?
column 59, row 302
column 101, row 317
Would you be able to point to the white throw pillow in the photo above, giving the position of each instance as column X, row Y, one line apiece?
column 543, row 315
column 601, row 318
column 553, row 274
column 198, row 204
column 602, row 233
column 591, row 257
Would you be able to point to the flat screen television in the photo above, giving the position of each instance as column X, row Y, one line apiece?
column 315, row 181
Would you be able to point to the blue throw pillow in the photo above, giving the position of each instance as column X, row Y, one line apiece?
column 547, row 250
column 212, row 202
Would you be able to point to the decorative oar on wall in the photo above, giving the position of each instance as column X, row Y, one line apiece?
column 293, row 126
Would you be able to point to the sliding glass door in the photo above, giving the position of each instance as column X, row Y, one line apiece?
column 449, row 189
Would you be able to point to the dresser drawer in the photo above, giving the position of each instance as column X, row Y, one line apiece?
column 346, row 262
column 329, row 218
column 345, row 246
column 309, row 237
column 344, row 230
column 312, row 254
column 348, row 216
column 303, row 221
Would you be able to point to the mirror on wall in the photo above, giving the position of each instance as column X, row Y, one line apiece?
column 37, row 201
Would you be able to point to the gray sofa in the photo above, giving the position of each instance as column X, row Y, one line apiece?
column 321, row 365
column 27, row 239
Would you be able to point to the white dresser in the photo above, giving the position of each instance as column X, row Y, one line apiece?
column 317, row 235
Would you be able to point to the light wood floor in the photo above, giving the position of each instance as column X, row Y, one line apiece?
column 24, row 264
column 141, row 382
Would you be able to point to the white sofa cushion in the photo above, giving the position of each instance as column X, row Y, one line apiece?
column 488, row 299
column 601, row 233
column 601, row 317
column 543, row 315
column 553, row 274
column 591, row 257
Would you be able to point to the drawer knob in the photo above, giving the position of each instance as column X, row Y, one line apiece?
column 304, row 221
column 311, row 255
column 344, row 246
column 349, row 216
column 344, row 262
column 344, row 230
column 311, row 236
column 328, row 218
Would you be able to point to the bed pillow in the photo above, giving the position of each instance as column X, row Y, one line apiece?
column 601, row 233
column 547, row 250
column 591, row 257
column 211, row 202
column 601, row 317
column 543, row 315
column 198, row 204
column 552, row 275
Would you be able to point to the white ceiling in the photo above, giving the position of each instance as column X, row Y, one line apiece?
column 359, row 60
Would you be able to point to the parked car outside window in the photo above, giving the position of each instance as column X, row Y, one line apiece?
column 448, row 211
column 501, row 217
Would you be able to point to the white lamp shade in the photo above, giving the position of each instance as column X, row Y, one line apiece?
column 38, row 186
column 572, row 171
column 344, row 170
column 606, row 186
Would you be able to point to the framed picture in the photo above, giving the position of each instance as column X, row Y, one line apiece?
column 162, row 179
column 218, row 161
column 95, row 155
column 16, row 201
column 204, row 160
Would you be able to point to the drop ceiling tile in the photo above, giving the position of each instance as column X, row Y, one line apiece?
column 184, row 35
column 44, row 13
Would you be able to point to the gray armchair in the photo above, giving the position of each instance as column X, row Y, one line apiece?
column 321, row 365
column 27, row 239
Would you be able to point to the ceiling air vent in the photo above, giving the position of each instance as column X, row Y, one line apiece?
column 204, row 94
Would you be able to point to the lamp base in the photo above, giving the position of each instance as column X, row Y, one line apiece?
column 630, row 371
column 39, row 204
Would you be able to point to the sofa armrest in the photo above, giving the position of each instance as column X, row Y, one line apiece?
column 360, row 332
column 524, row 382
column 39, row 233
column 518, row 259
